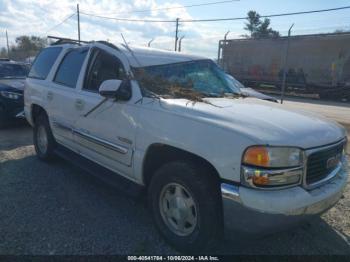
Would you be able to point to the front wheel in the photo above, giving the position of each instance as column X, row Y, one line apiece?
column 44, row 142
column 185, row 204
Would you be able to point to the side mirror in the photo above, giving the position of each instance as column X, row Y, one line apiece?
column 114, row 88
column 109, row 88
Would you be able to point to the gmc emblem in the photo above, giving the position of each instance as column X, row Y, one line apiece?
column 333, row 161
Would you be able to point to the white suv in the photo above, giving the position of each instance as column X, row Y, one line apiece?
column 174, row 126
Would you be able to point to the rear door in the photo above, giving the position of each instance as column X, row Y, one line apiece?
column 64, row 107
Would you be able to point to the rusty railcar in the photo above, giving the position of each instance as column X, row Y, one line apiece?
column 316, row 63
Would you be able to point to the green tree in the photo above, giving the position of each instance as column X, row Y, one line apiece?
column 27, row 46
column 259, row 28
column 30, row 43
column 338, row 31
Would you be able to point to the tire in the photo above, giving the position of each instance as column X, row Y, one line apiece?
column 195, row 183
column 44, row 142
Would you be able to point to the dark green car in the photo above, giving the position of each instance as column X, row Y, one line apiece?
column 12, row 76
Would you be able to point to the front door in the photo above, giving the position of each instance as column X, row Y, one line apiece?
column 106, row 134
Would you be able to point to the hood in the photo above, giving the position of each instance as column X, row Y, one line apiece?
column 253, row 93
column 262, row 121
column 17, row 84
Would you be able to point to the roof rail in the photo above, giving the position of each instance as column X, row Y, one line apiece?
column 107, row 44
column 63, row 40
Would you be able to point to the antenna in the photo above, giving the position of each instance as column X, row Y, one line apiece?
column 149, row 43
column 131, row 52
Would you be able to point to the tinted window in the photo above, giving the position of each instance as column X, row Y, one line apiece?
column 102, row 67
column 12, row 71
column 69, row 69
column 43, row 63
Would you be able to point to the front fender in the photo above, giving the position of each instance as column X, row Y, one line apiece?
column 221, row 147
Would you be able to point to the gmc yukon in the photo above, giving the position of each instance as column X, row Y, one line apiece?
column 176, row 129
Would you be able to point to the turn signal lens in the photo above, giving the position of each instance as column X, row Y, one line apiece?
column 257, row 156
column 264, row 178
column 260, row 179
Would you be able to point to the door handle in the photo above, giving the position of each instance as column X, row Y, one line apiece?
column 79, row 104
column 49, row 96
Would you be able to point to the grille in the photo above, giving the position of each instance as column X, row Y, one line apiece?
column 317, row 163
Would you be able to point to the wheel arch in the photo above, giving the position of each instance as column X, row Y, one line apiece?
column 157, row 154
column 36, row 110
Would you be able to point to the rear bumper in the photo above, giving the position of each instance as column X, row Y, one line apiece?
column 254, row 211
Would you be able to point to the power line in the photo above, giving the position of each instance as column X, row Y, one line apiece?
column 180, row 7
column 63, row 21
column 268, row 16
column 214, row 19
column 129, row 20
column 185, row 6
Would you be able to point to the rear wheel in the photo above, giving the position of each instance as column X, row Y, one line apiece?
column 186, row 206
column 44, row 142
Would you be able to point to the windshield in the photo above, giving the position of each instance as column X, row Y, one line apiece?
column 12, row 71
column 201, row 77
column 235, row 82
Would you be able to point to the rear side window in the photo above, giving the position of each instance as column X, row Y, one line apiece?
column 43, row 62
column 69, row 69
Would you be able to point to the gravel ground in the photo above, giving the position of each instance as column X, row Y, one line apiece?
column 58, row 209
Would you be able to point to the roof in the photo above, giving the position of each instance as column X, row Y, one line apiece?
column 322, row 35
column 146, row 56
column 140, row 56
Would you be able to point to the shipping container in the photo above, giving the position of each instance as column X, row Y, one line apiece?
column 316, row 63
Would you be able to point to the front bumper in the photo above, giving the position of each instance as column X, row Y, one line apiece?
column 255, row 211
column 11, row 109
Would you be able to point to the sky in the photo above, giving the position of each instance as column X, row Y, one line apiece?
column 24, row 17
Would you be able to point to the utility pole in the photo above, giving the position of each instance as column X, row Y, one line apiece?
column 78, row 23
column 285, row 65
column 176, row 33
column 149, row 43
column 8, row 47
column 180, row 41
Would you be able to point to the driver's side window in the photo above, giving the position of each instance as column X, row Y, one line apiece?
column 102, row 66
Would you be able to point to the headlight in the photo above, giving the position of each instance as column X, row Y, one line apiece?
column 268, row 167
column 10, row 95
column 275, row 157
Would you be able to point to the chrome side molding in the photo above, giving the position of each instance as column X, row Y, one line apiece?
column 118, row 148
column 102, row 142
